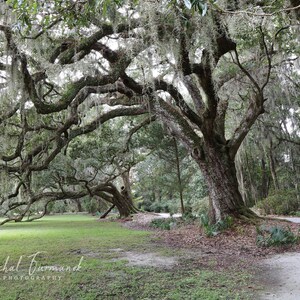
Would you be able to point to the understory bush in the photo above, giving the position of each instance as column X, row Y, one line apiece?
column 201, row 206
column 275, row 236
column 160, row 207
column 280, row 203
column 213, row 229
column 163, row 223
column 171, row 223
column 188, row 217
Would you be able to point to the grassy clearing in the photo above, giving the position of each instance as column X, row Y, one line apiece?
column 63, row 240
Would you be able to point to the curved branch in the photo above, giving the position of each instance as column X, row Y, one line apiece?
column 136, row 129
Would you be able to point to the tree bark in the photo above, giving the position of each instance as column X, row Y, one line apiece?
column 107, row 212
column 126, row 183
column 273, row 168
column 124, row 205
column 219, row 170
column 264, row 180
column 78, row 204
column 179, row 176
column 240, row 177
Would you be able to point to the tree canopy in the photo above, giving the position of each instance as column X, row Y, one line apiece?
column 80, row 78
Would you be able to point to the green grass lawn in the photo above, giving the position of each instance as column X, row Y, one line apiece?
column 47, row 250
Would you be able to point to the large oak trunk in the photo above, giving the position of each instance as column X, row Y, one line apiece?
column 218, row 168
column 125, row 207
column 124, row 204
column 121, row 200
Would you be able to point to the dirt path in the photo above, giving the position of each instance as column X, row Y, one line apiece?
column 281, row 275
column 291, row 219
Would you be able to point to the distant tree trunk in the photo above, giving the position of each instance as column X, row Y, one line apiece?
column 179, row 176
column 240, row 177
column 296, row 179
column 253, row 195
column 123, row 204
column 273, row 167
column 78, row 204
column 264, row 180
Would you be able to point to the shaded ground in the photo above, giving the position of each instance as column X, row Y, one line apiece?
column 239, row 240
column 276, row 269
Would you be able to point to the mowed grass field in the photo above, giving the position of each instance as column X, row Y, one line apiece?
column 78, row 257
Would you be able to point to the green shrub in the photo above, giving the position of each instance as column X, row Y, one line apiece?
column 58, row 207
column 281, row 203
column 201, row 207
column 92, row 206
column 213, row 229
column 162, row 223
column 161, row 207
column 275, row 236
column 295, row 213
column 209, row 229
column 188, row 217
column 145, row 205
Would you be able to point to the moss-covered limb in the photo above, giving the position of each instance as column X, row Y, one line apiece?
column 118, row 112
column 177, row 123
column 8, row 114
column 86, row 44
column 76, row 89
column 121, row 63
column 71, row 92
column 253, row 111
column 148, row 120
column 107, row 191
column 180, row 102
column 28, row 162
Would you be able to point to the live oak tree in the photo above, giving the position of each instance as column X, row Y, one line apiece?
column 68, row 67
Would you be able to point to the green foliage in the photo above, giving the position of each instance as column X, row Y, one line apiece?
column 275, row 236
column 72, row 13
column 280, row 203
column 197, row 6
column 58, row 207
column 201, row 206
column 163, row 223
column 92, row 206
column 159, row 207
column 214, row 229
column 188, row 217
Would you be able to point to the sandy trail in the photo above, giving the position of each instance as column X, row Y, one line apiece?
column 281, row 274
